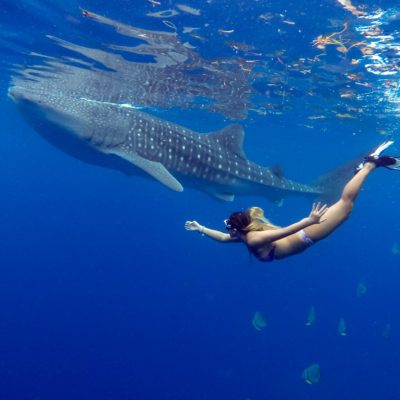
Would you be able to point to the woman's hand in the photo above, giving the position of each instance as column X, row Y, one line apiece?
column 317, row 212
column 193, row 226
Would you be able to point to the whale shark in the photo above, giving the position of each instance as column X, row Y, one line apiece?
column 122, row 137
column 101, row 108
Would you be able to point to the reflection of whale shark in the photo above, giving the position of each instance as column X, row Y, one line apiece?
column 120, row 136
column 155, row 70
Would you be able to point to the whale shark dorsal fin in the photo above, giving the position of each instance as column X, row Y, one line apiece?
column 231, row 138
column 153, row 168
column 277, row 171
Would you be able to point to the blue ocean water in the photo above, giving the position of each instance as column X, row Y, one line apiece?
column 103, row 293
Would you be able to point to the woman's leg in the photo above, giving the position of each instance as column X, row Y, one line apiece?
column 340, row 211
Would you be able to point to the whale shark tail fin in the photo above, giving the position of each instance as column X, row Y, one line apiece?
column 331, row 184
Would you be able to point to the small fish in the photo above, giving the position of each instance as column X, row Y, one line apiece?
column 311, row 316
column 396, row 248
column 342, row 329
column 312, row 374
column 259, row 322
column 361, row 290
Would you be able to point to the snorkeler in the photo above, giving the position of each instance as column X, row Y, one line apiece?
column 269, row 242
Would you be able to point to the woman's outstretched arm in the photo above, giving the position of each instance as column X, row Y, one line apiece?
column 211, row 233
column 257, row 238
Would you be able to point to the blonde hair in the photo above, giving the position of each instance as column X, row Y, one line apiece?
column 258, row 220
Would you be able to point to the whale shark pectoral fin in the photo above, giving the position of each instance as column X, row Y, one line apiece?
column 157, row 171
column 153, row 168
column 224, row 196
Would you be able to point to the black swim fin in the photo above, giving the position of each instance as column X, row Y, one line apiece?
column 386, row 161
column 375, row 157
